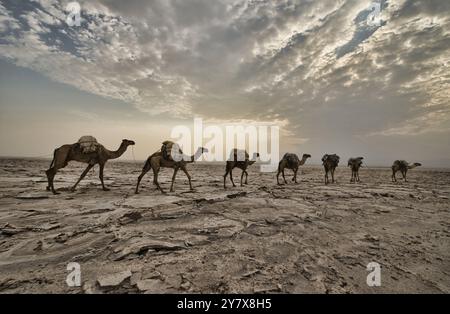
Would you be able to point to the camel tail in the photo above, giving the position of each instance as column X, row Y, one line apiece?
column 53, row 160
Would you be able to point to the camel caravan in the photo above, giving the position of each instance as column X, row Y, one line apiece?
column 87, row 150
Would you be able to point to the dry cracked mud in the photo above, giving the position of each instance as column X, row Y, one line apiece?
column 294, row 238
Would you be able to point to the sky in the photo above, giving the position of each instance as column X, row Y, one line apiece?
column 332, row 81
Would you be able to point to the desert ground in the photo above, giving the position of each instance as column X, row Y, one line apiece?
column 260, row 238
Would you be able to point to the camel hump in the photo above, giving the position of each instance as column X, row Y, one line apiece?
column 355, row 161
column 170, row 150
column 88, row 144
column 332, row 158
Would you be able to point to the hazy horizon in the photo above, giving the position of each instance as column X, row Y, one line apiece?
column 136, row 69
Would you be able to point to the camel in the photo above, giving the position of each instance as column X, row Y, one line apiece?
column 330, row 162
column 355, row 164
column 158, row 161
column 402, row 166
column 73, row 152
column 291, row 161
column 238, row 159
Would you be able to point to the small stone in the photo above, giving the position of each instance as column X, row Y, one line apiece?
column 89, row 288
column 114, row 280
column 186, row 285
column 153, row 285
column 135, row 278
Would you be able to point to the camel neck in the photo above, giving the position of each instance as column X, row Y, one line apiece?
column 116, row 154
column 195, row 156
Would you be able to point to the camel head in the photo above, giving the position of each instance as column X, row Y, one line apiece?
column 255, row 155
column 128, row 143
column 306, row 156
column 414, row 165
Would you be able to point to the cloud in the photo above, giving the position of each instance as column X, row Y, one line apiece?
column 315, row 64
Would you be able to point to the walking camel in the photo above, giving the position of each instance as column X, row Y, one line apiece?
column 355, row 164
column 402, row 166
column 165, row 159
column 74, row 152
column 330, row 162
column 238, row 159
column 291, row 161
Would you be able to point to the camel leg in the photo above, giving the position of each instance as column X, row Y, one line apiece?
column 173, row 178
column 225, row 179
column 394, row 179
column 295, row 175
column 284, row 178
column 332, row 175
column 357, row 176
column 50, row 176
column 278, row 177
column 155, row 179
column 54, row 167
column 326, row 176
column 188, row 176
column 102, row 167
column 404, row 175
column 89, row 167
column 144, row 171
column 246, row 177
column 231, row 178
column 242, row 177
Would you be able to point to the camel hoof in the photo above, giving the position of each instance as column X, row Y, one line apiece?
column 56, row 193
column 106, row 190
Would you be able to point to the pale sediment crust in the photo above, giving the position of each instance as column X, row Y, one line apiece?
column 294, row 238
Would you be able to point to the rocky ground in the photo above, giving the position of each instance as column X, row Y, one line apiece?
column 295, row 238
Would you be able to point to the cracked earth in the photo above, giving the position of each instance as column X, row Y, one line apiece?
column 260, row 238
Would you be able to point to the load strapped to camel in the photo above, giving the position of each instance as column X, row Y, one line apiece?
column 238, row 155
column 171, row 151
column 292, row 159
column 88, row 144
column 333, row 158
